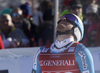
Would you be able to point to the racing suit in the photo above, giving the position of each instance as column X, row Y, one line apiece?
column 72, row 58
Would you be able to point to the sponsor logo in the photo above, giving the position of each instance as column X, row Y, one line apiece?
column 71, row 49
column 57, row 62
column 83, row 56
column 86, row 71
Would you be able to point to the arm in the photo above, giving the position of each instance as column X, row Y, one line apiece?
column 84, row 59
column 19, row 37
column 36, row 65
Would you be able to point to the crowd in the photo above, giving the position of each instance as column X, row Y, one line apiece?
column 24, row 27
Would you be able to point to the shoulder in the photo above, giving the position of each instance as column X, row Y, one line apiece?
column 16, row 29
column 17, row 32
column 80, row 47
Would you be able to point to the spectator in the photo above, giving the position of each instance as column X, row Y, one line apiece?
column 98, row 36
column 45, row 30
column 98, row 30
column 93, row 18
column 6, row 11
column 86, row 3
column 73, row 6
column 28, row 24
column 12, row 37
column 46, row 27
column 28, row 19
column 20, row 22
column 44, row 4
column 37, row 14
column 17, row 17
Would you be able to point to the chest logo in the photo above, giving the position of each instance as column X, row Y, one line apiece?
column 57, row 62
column 71, row 49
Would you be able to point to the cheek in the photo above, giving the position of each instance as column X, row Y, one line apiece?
column 68, row 27
column 60, row 27
column 80, row 10
column 10, row 23
column 64, row 27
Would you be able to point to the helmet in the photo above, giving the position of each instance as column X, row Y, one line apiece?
column 78, row 30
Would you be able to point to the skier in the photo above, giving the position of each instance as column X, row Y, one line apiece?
column 66, row 54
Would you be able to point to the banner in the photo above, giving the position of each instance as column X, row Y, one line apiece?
column 20, row 60
column 17, row 60
column 95, row 51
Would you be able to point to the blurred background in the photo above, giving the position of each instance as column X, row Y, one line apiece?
column 40, row 17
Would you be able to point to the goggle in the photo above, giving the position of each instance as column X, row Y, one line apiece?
column 69, row 18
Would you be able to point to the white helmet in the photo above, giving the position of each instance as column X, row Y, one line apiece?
column 78, row 30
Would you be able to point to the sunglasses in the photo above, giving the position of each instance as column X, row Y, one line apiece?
column 16, row 14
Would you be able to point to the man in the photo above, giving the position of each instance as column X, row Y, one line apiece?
column 29, row 27
column 66, row 54
column 12, row 37
column 74, row 6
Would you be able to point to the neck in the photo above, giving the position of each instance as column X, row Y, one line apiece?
column 62, row 37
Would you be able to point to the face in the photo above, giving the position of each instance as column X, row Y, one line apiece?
column 63, row 26
column 5, row 22
column 91, row 17
column 77, row 11
column 17, row 15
